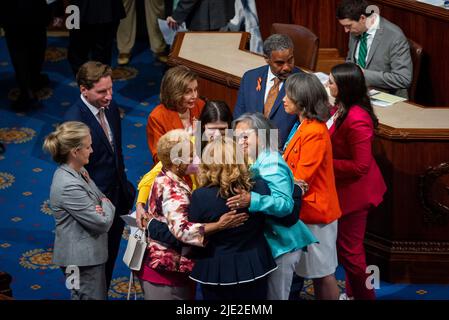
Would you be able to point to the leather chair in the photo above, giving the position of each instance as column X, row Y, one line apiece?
column 306, row 43
column 416, row 54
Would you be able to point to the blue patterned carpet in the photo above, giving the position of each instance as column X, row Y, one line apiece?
column 26, row 224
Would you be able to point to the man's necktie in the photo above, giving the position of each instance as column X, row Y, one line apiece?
column 271, row 97
column 104, row 125
column 363, row 49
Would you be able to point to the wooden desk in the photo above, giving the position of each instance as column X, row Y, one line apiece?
column 408, row 235
column 220, row 59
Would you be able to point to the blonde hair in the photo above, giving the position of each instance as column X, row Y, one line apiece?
column 91, row 72
column 174, row 85
column 173, row 138
column 67, row 136
column 224, row 168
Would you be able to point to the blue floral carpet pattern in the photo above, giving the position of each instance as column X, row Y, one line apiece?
column 26, row 224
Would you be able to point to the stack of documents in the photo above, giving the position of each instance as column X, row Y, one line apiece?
column 438, row 3
column 167, row 33
column 382, row 99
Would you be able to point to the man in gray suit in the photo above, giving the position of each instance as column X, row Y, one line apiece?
column 378, row 46
column 82, row 213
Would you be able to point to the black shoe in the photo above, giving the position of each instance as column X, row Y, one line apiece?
column 2, row 148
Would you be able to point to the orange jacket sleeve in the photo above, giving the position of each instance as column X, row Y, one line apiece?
column 313, row 148
column 155, row 131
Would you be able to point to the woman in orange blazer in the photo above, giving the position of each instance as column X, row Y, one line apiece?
column 308, row 152
column 179, row 108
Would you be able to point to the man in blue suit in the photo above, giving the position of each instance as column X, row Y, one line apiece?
column 106, row 167
column 262, row 90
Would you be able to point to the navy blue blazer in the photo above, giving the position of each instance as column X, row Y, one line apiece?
column 252, row 100
column 230, row 256
column 106, row 166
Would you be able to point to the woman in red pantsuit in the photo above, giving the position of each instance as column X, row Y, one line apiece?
column 360, row 185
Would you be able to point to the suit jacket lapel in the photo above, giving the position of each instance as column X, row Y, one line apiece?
column 111, row 122
column 81, row 180
column 261, row 96
column 292, row 143
column 353, row 42
column 94, row 125
column 278, row 101
column 376, row 41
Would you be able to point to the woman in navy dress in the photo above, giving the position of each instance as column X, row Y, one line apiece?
column 235, row 262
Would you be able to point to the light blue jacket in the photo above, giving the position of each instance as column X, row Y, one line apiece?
column 271, row 167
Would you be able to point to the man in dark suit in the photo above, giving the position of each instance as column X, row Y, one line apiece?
column 99, row 20
column 262, row 90
column 106, row 166
column 202, row 15
column 25, row 23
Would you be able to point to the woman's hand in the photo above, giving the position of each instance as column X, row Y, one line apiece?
column 142, row 216
column 232, row 219
column 242, row 200
column 303, row 185
column 172, row 23
column 228, row 220
column 99, row 210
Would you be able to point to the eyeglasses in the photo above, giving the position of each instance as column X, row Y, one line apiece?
column 244, row 135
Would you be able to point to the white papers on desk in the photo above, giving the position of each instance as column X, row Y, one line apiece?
column 380, row 103
column 382, row 99
column 167, row 32
column 324, row 78
column 438, row 3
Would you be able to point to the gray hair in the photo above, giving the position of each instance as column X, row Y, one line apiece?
column 309, row 95
column 258, row 122
column 276, row 42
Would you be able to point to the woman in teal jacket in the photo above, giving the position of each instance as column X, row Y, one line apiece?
column 255, row 135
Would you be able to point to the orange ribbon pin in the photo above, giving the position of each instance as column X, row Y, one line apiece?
column 259, row 84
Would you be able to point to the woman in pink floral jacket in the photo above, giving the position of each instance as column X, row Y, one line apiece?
column 166, row 267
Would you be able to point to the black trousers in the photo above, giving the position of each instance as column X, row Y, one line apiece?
column 116, row 231
column 114, row 239
column 91, row 42
column 26, row 46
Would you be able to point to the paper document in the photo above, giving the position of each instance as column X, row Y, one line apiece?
column 130, row 220
column 167, row 33
column 438, row 3
column 385, row 97
column 324, row 78
column 380, row 103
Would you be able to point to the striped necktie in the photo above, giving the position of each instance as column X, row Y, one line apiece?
column 363, row 49
column 104, row 125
